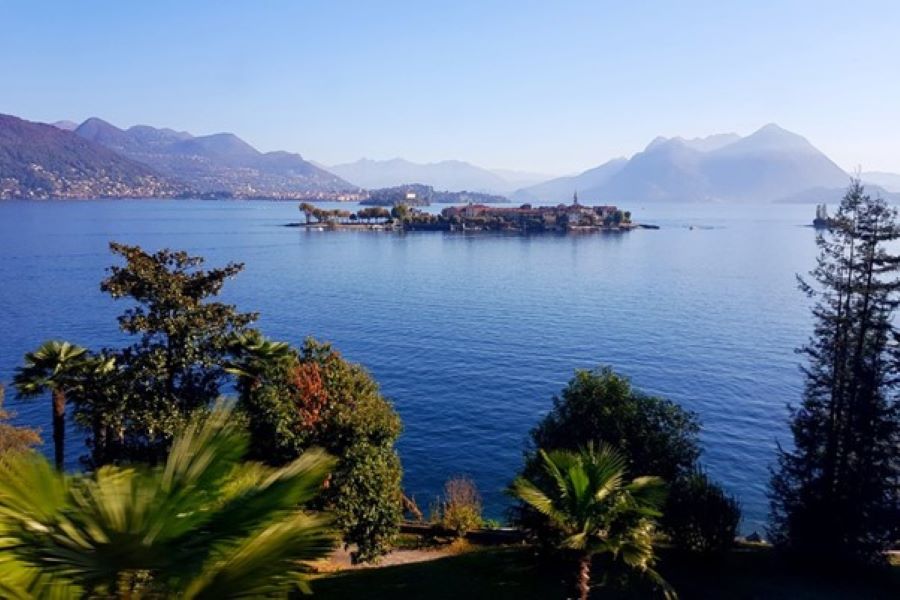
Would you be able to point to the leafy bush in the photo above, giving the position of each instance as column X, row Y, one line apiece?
column 459, row 509
column 13, row 438
column 316, row 398
column 700, row 517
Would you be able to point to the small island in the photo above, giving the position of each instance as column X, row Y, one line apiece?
column 562, row 218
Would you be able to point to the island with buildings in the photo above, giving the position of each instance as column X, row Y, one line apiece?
column 561, row 218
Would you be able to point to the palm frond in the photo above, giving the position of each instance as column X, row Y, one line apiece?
column 578, row 541
column 31, row 491
column 19, row 581
column 587, row 498
column 534, row 497
column 165, row 528
column 648, row 492
column 55, row 364
column 269, row 561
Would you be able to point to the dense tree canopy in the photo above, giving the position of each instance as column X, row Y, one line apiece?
column 700, row 517
column 176, row 363
column 656, row 435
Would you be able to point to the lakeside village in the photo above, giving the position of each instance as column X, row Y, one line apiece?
column 562, row 218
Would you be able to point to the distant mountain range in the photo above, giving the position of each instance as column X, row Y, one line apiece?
column 218, row 163
column 772, row 164
column 95, row 158
column 449, row 175
column 417, row 194
column 39, row 161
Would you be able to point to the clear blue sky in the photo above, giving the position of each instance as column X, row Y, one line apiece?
column 544, row 86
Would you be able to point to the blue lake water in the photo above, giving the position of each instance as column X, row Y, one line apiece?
column 470, row 336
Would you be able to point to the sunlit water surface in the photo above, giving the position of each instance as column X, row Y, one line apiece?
column 469, row 335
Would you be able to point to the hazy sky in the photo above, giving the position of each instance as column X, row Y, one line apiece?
column 551, row 87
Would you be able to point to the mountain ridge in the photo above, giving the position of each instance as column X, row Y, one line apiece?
column 769, row 164
column 42, row 161
column 220, row 163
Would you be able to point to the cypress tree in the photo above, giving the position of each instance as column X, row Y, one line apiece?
column 834, row 496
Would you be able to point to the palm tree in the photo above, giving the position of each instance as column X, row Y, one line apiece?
column 55, row 366
column 204, row 525
column 252, row 354
column 586, row 498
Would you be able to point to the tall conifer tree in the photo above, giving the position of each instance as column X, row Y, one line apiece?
column 834, row 496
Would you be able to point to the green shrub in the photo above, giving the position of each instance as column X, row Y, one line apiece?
column 699, row 516
column 459, row 509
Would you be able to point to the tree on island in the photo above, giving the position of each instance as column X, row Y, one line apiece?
column 585, row 496
column 835, row 495
column 401, row 212
column 308, row 211
column 373, row 212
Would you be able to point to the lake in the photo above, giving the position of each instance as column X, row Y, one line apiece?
column 469, row 335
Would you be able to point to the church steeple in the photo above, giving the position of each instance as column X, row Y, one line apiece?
column 575, row 198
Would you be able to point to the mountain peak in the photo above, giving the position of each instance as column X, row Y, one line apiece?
column 772, row 128
column 98, row 122
column 656, row 142
column 97, row 130
column 771, row 138
column 65, row 125
column 773, row 131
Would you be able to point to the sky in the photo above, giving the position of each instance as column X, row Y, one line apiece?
column 547, row 87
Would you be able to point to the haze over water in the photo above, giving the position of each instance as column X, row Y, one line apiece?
column 470, row 336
